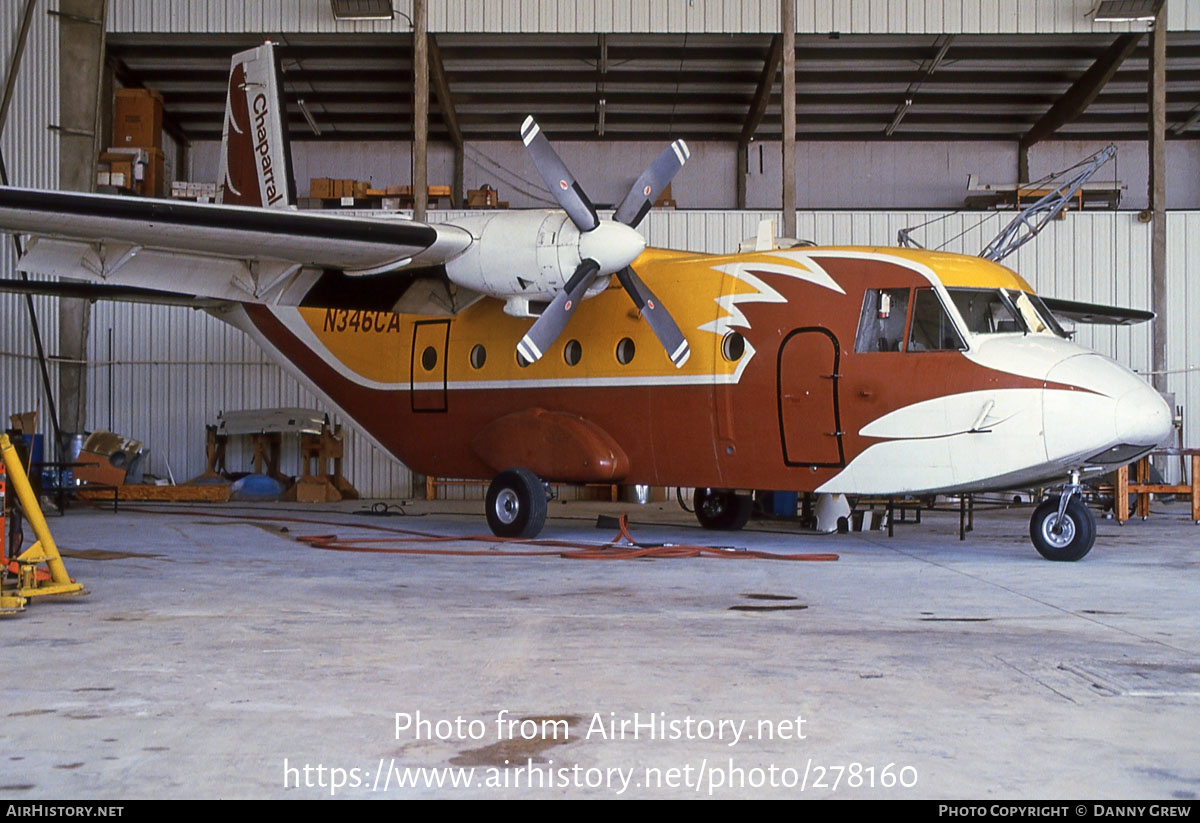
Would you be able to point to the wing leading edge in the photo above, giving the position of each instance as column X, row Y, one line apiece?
column 239, row 253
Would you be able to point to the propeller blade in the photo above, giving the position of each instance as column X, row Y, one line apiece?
column 651, row 184
column 659, row 318
column 546, row 329
column 559, row 180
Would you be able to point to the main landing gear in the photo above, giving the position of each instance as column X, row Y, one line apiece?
column 1062, row 528
column 516, row 504
column 722, row 509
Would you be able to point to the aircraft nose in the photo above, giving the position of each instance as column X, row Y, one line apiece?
column 1142, row 417
column 1093, row 404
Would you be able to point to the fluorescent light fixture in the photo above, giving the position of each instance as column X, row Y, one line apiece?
column 312, row 124
column 1187, row 124
column 900, row 112
column 362, row 9
column 1127, row 11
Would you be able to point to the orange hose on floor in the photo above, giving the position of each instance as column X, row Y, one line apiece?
column 569, row 550
column 560, row 548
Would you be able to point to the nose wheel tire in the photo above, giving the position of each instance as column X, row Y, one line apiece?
column 1073, row 537
column 722, row 510
column 516, row 504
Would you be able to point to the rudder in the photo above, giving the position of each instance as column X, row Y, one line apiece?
column 256, row 157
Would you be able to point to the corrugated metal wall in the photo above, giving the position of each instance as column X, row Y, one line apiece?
column 655, row 16
column 31, row 155
column 161, row 374
column 176, row 368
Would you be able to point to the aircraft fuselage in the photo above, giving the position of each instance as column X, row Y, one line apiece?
column 797, row 381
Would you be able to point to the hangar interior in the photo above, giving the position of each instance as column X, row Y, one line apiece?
column 844, row 122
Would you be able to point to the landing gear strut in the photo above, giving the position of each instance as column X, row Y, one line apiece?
column 1062, row 528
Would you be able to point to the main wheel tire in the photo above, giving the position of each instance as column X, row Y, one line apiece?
column 516, row 504
column 722, row 510
column 1075, row 537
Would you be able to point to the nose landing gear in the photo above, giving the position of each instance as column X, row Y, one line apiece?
column 1062, row 528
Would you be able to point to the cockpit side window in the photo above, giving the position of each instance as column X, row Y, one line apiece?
column 881, row 324
column 932, row 328
column 986, row 311
column 996, row 311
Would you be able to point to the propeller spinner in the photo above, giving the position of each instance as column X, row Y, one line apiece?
column 605, row 246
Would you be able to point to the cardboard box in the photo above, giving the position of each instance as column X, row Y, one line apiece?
column 98, row 469
column 484, row 198
column 321, row 187
column 313, row 490
column 399, row 191
column 137, row 118
column 24, row 422
column 439, row 191
column 121, row 169
column 153, row 173
column 358, row 188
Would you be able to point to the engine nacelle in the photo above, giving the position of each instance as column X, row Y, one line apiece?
column 517, row 256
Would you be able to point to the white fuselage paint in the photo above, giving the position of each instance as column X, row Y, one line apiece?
column 1011, row 437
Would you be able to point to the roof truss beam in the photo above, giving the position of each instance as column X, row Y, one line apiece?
column 1084, row 91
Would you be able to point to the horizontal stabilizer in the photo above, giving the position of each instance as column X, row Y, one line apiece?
column 1095, row 313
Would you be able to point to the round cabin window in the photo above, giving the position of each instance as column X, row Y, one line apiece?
column 625, row 351
column 478, row 356
column 429, row 358
column 572, row 352
column 733, row 347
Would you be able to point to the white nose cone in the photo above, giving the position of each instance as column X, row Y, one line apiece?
column 613, row 245
column 1092, row 405
column 1143, row 417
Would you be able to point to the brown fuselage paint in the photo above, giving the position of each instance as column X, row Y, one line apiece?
column 718, row 435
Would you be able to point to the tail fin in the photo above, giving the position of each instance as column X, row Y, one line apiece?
column 256, row 158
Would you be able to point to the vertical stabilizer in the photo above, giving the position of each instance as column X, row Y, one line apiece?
column 256, row 158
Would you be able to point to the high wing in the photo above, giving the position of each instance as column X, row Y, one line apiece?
column 228, row 252
column 1095, row 313
column 255, row 246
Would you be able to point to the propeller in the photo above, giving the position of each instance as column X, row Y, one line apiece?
column 605, row 246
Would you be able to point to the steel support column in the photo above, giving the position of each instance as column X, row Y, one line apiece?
column 787, row 21
column 1158, row 195
column 420, row 144
column 81, row 36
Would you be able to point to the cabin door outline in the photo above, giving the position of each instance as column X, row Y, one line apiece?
column 435, row 335
column 817, row 440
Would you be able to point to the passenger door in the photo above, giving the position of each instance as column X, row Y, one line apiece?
column 807, row 389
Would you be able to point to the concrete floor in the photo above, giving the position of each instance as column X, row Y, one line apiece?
column 216, row 649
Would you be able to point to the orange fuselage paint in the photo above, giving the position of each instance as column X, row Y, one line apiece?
column 774, row 395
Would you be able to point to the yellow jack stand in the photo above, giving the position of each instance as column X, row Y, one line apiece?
column 32, row 582
column 10, row 604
